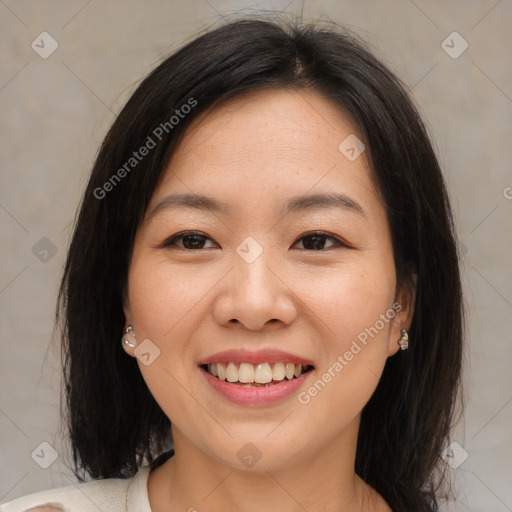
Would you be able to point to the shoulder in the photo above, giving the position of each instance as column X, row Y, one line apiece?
column 84, row 497
column 112, row 494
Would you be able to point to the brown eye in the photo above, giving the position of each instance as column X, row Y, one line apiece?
column 189, row 240
column 316, row 241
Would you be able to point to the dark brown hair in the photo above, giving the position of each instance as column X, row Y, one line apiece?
column 113, row 420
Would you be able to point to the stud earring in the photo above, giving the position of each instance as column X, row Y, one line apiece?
column 404, row 340
column 129, row 337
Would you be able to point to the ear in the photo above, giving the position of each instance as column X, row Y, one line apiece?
column 128, row 318
column 125, row 299
column 404, row 308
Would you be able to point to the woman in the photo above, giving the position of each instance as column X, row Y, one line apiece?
column 267, row 232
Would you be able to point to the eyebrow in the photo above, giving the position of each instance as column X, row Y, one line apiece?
column 294, row 204
column 197, row 201
column 321, row 201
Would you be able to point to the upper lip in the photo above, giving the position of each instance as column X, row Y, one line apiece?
column 255, row 357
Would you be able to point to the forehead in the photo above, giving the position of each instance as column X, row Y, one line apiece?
column 276, row 119
column 268, row 144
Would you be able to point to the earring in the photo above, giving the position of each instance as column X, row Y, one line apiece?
column 129, row 337
column 404, row 340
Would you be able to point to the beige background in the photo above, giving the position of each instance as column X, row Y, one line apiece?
column 55, row 111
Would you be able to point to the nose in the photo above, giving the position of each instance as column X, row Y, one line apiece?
column 255, row 295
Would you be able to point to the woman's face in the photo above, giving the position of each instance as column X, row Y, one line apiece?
column 290, row 261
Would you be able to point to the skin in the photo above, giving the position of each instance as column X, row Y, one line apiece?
column 254, row 153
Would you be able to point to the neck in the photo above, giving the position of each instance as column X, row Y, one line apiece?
column 325, row 481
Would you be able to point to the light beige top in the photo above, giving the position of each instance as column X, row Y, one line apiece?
column 107, row 495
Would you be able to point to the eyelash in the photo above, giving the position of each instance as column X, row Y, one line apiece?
column 170, row 242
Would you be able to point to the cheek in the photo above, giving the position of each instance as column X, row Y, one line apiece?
column 164, row 303
column 356, row 308
column 351, row 299
column 164, row 299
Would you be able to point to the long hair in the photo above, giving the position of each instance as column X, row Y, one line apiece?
column 114, row 423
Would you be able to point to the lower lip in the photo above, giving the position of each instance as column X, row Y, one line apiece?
column 254, row 396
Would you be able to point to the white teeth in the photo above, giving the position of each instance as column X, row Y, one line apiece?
column 231, row 373
column 247, row 374
column 263, row 374
column 278, row 372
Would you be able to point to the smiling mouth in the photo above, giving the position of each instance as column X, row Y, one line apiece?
column 256, row 375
